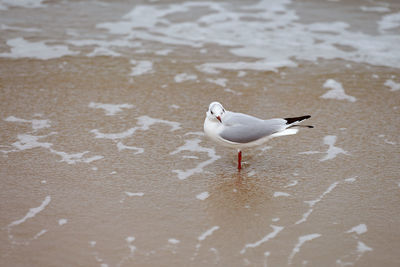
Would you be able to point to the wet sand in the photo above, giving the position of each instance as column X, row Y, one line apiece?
column 104, row 162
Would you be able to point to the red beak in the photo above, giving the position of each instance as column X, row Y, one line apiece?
column 219, row 118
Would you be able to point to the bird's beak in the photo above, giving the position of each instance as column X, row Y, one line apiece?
column 219, row 118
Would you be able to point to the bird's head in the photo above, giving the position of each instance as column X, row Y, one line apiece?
column 215, row 111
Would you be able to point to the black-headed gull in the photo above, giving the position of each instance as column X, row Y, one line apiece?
column 238, row 130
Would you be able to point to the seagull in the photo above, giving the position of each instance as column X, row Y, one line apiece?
column 238, row 130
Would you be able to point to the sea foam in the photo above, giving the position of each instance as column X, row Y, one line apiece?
column 5, row 4
column 392, row 85
column 192, row 145
column 271, row 235
column 32, row 212
column 21, row 48
column 272, row 36
column 336, row 92
column 110, row 109
column 301, row 241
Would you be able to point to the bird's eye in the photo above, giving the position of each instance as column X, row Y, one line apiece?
column 212, row 113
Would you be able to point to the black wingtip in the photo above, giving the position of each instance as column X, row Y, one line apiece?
column 296, row 119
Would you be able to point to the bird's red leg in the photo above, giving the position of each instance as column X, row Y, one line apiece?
column 239, row 160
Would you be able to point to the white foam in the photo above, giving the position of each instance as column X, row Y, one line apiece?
column 207, row 233
column 190, row 157
column 113, row 136
column 103, row 51
column 182, row 77
column 121, row 147
column 261, row 65
column 143, row 122
column 292, row 183
column 72, row 158
column 281, row 194
column 389, row 142
column 193, row 146
column 275, row 231
column 217, row 257
column 339, row 262
column 312, row 203
column 32, row 212
column 203, row 196
column 309, row 152
column 163, row 52
column 241, row 74
column 27, row 141
column 380, row 9
column 20, row 48
column 336, row 92
column 266, row 255
column 102, row 47
column 270, row 32
column 130, row 239
column 359, row 229
column 393, row 85
column 232, row 91
column 301, row 241
column 39, row 234
column 110, row 109
column 220, row 81
column 14, row 28
column 130, row 194
column 4, row 4
column 251, row 173
column 173, row 241
column 36, row 124
column 389, row 22
column 264, row 148
column 96, row 255
column 333, row 27
column 131, row 247
column 362, row 248
column 173, row 106
column 62, row 221
column 351, row 179
column 141, row 67
column 333, row 150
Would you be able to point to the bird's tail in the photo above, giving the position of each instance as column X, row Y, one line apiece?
column 287, row 131
column 293, row 122
column 305, row 126
column 296, row 119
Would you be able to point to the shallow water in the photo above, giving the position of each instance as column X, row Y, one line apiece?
column 103, row 157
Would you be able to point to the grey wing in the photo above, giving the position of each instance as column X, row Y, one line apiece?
column 233, row 118
column 252, row 130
